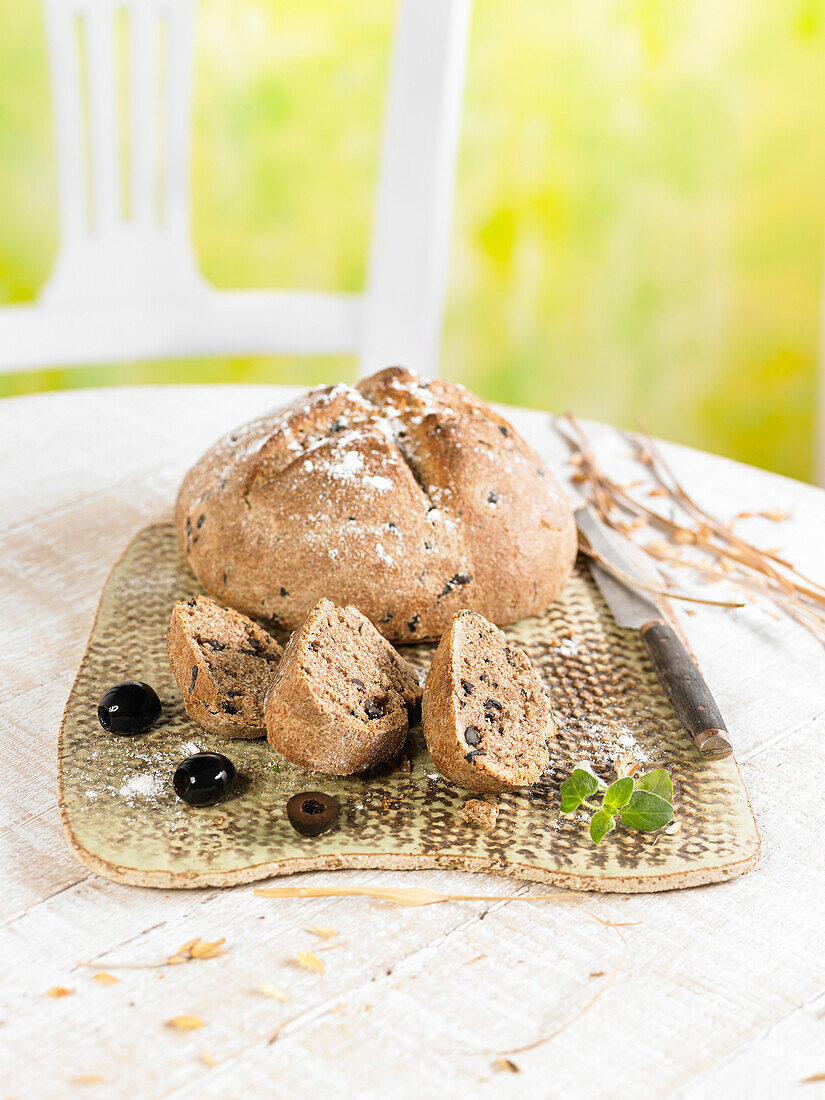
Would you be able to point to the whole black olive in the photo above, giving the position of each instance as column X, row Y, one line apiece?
column 312, row 812
column 204, row 779
column 129, row 708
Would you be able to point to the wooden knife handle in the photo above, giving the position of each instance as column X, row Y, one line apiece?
column 690, row 696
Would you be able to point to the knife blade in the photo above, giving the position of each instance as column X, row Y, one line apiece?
column 635, row 609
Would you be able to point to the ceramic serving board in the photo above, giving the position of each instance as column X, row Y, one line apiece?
column 124, row 821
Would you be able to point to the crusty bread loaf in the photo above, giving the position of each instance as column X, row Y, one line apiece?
column 407, row 498
column 342, row 700
column 485, row 716
column 223, row 663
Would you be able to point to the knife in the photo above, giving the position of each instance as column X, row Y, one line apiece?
column 634, row 609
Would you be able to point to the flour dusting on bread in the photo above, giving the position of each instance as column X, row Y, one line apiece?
column 379, row 496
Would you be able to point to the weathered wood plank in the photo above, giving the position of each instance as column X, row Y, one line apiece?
column 718, row 994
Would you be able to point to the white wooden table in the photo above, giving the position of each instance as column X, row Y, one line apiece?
column 722, row 992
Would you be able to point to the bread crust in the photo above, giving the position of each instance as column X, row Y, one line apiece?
column 443, row 723
column 205, row 698
column 302, row 725
column 406, row 498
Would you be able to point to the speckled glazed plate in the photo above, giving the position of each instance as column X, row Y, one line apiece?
column 124, row 821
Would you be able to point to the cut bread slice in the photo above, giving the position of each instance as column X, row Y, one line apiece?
column 342, row 700
column 223, row 663
column 485, row 716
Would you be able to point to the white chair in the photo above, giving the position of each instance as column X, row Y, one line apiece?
column 126, row 284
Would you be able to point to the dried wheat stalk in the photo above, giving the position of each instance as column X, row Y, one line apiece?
column 726, row 555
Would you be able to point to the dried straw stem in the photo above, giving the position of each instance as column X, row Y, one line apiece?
column 746, row 552
column 761, row 573
column 413, row 897
column 603, row 988
column 636, row 583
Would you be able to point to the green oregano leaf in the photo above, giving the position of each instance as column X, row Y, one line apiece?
column 618, row 794
column 586, row 766
column 581, row 785
column 643, row 804
column 646, row 811
column 601, row 823
column 657, row 782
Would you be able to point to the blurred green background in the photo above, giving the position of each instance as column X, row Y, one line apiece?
column 639, row 209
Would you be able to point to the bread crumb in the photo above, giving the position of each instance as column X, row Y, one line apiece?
column 481, row 813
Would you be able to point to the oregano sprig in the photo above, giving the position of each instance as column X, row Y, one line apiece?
column 643, row 803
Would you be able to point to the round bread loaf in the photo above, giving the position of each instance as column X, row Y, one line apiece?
column 485, row 716
column 404, row 497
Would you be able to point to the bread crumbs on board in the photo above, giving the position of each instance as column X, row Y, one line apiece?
column 480, row 813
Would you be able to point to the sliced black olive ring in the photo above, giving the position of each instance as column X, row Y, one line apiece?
column 312, row 812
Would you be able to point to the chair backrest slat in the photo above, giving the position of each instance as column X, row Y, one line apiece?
column 88, row 91
column 68, row 116
column 144, row 77
column 408, row 267
column 98, row 27
column 177, row 110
